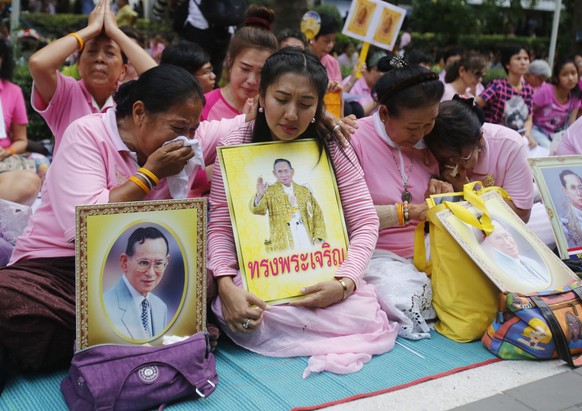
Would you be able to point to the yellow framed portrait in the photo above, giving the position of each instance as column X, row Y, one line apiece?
column 512, row 256
column 375, row 22
column 140, row 271
column 286, row 216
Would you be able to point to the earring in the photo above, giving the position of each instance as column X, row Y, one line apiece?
column 382, row 119
column 313, row 120
column 260, row 109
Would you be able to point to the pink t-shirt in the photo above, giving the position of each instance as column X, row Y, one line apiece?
column 359, row 212
column 381, row 163
column 217, row 107
column 572, row 141
column 548, row 113
column 70, row 102
column 503, row 163
column 360, row 91
column 13, row 108
column 92, row 160
column 332, row 67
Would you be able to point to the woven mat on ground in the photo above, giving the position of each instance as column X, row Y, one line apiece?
column 249, row 381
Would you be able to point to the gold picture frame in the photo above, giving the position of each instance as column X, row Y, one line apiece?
column 375, row 22
column 538, row 268
column 556, row 198
column 102, row 235
column 274, row 268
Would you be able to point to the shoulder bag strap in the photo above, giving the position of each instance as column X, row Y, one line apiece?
column 560, row 341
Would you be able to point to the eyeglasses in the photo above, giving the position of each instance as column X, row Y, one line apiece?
column 207, row 72
column 467, row 158
column 144, row 265
column 479, row 73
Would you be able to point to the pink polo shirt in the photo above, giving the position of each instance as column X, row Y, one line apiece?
column 70, row 102
column 572, row 141
column 381, row 164
column 13, row 108
column 92, row 161
column 503, row 162
column 216, row 107
column 332, row 67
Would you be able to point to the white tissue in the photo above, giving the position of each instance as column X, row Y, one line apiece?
column 178, row 184
column 171, row 339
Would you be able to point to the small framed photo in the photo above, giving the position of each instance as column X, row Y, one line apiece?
column 559, row 180
column 141, row 271
column 374, row 21
column 512, row 256
column 286, row 214
column 436, row 199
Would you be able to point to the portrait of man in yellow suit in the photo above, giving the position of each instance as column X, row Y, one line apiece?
column 295, row 218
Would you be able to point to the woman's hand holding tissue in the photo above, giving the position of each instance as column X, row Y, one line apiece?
column 170, row 159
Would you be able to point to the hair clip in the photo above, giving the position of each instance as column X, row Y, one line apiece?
column 398, row 62
column 467, row 101
column 470, row 103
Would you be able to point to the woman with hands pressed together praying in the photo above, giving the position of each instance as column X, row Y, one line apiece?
column 400, row 173
column 104, row 50
column 339, row 322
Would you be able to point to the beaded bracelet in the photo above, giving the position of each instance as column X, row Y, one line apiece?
column 155, row 180
column 79, row 40
column 345, row 287
column 406, row 213
column 141, row 185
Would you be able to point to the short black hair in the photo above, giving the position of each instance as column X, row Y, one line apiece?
column 565, row 173
column 190, row 56
column 159, row 88
column 282, row 160
column 142, row 234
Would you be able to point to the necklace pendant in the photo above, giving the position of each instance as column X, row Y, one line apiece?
column 406, row 196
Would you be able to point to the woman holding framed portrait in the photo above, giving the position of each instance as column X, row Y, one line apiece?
column 291, row 92
column 116, row 156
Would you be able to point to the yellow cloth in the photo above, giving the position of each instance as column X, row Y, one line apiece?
column 126, row 16
column 277, row 203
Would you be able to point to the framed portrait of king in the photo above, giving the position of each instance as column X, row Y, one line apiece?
column 559, row 180
column 141, row 271
column 286, row 214
column 511, row 255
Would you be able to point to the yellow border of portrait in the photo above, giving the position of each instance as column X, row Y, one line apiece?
column 98, row 227
column 241, row 166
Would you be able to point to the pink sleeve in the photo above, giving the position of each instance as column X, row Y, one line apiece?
column 518, row 177
column 541, row 97
column 222, row 256
column 359, row 212
column 572, row 142
column 209, row 134
column 78, row 175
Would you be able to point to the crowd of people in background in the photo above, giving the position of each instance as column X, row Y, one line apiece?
column 413, row 118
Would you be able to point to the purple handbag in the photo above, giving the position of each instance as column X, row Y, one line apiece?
column 126, row 377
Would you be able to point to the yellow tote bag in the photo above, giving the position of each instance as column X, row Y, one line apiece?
column 464, row 298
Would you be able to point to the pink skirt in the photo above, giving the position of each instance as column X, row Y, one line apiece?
column 339, row 338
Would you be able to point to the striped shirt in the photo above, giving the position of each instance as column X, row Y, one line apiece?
column 496, row 96
column 361, row 218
